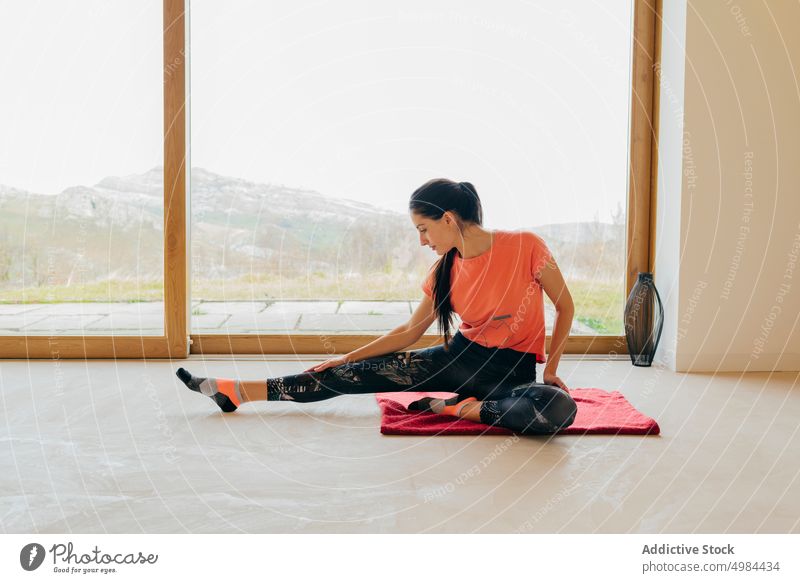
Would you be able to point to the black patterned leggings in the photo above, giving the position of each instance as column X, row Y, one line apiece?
column 503, row 379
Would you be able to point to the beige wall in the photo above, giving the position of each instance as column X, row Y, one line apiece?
column 728, row 228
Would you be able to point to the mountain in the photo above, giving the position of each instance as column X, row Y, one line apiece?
column 580, row 233
column 114, row 229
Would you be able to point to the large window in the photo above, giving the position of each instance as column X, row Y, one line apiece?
column 200, row 176
column 312, row 123
column 81, row 177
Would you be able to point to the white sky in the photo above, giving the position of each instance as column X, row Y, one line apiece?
column 355, row 99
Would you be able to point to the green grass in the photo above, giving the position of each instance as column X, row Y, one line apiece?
column 597, row 305
column 106, row 291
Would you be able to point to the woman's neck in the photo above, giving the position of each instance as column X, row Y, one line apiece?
column 475, row 241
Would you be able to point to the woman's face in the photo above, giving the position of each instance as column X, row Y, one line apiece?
column 437, row 234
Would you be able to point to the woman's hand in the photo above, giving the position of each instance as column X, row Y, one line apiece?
column 550, row 378
column 336, row 361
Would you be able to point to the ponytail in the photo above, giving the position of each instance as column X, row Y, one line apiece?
column 432, row 200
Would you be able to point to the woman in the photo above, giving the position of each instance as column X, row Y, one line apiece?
column 494, row 281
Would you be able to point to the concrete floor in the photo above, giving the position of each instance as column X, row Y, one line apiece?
column 104, row 446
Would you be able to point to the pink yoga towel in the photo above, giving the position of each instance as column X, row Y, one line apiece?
column 599, row 411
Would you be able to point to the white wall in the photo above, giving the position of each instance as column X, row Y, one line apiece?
column 732, row 295
column 670, row 162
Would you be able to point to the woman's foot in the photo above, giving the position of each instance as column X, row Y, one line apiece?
column 435, row 405
column 455, row 410
column 431, row 404
column 224, row 392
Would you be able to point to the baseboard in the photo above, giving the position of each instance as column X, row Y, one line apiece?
column 738, row 362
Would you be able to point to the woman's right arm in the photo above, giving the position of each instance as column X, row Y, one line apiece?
column 400, row 337
column 392, row 341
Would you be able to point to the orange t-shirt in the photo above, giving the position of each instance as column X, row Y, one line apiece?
column 498, row 294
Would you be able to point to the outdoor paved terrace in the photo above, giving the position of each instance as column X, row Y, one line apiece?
column 213, row 317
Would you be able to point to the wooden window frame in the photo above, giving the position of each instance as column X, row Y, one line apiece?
column 178, row 342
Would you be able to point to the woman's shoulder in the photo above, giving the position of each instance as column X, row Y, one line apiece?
column 525, row 243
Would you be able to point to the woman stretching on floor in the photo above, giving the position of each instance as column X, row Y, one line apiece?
column 494, row 281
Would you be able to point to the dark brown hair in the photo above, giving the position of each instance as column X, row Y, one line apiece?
column 431, row 200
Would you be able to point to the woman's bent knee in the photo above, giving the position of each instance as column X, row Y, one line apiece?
column 562, row 411
column 552, row 406
column 527, row 415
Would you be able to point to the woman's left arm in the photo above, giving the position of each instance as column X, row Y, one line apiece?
column 556, row 289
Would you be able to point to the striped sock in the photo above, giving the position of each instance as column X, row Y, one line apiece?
column 455, row 410
column 441, row 406
column 224, row 392
column 431, row 404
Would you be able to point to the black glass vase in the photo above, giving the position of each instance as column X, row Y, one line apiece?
column 644, row 319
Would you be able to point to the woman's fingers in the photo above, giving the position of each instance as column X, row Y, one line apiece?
column 320, row 367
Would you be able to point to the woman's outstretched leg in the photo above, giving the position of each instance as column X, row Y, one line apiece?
column 413, row 370
column 410, row 370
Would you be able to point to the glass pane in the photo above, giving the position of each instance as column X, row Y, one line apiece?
column 313, row 122
column 81, row 181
